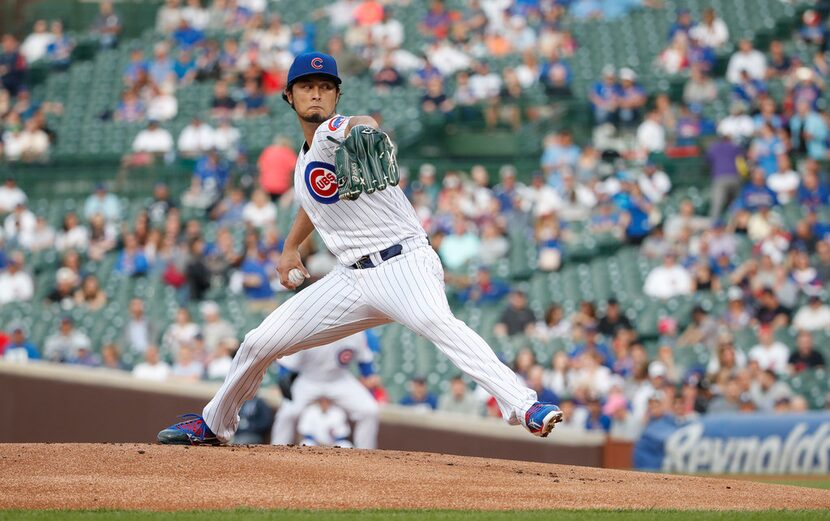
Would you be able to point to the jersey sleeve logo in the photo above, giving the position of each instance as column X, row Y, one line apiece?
column 345, row 357
column 336, row 122
column 317, row 63
column 321, row 182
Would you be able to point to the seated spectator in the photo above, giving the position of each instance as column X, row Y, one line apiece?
column 654, row 183
column 812, row 192
column 222, row 105
column 767, row 390
column 90, row 295
column 651, row 135
column 746, row 58
column 186, row 368
column 210, row 176
column 255, row 277
column 131, row 261
column 484, row 289
column 323, row 424
column 12, row 65
column 711, row 31
column 814, row 316
column 16, row 284
column 260, row 212
column 180, row 333
column 559, row 152
column 25, row 142
column 675, row 58
column 517, row 318
column 11, row 195
column 613, row 320
column 807, row 88
column 19, row 223
column 769, row 353
column 755, row 194
column 230, row 209
column 494, row 245
column 770, row 312
column 435, row 99
column 808, row 132
column 555, row 75
column 635, row 210
column 727, row 360
column 226, row 138
column 59, row 50
column 41, row 238
column 668, row 280
column 276, row 167
column 19, row 348
column 702, row 330
column 780, row 64
column 253, row 100
column 460, row 247
column 196, row 138
column 163, row 106
column 66, row 284
column 604, row 97
column 152, row 368
column 154, row 141
column 73, row 236
column 812, row 31
column 168, row 16
column 139, row 332
column 197, row 273
column 104, row 203
column 107, row 25
column 220, row 361
column 748, row 90
column 111, row 357
column 65, row 345
column 784, row 181
column 419, row 396
column 805, row 357
column 535, row 382
column 131, row 108
column 35, row 45
column 215, row 329
column 458, row 399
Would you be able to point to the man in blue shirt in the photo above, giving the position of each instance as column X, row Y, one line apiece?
column 419, row 395
column 604, row 97
column 756, row 194
column 256, row 282
column 20, row 348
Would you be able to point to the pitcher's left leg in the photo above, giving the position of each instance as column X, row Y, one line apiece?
column 410, row 290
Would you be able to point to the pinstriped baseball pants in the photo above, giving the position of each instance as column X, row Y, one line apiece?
column 408, row 289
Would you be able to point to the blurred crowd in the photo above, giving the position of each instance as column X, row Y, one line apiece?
column 757, row 241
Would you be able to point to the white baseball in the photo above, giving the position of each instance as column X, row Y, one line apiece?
column 296, row 277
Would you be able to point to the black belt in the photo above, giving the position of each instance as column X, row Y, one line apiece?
column 365, row 262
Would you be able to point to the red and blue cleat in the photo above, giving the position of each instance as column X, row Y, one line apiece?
column 541, row 418
column 192, row 431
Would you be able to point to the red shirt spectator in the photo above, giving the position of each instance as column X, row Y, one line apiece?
column 276, row 167
column 369, row 12
column 4, row 341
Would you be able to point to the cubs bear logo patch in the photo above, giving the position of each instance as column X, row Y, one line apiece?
column 321, row 182
column 345, row 356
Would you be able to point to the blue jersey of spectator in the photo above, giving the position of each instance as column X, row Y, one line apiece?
column 754, row 197
column 765, row 150
column 256, row 282
column 132, row 263
column 213, row 172
column 813, row 197
column 183, row 66
column 186, row 36
column 638, row 226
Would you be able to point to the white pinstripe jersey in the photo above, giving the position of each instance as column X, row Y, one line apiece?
column 350, row 229
column 330, row 362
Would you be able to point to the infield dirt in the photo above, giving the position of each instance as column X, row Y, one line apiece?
column 154, row 477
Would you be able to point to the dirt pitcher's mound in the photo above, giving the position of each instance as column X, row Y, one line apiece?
column 154, row 477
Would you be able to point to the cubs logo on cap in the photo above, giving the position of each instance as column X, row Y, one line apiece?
column 317, row 63
column 345, row 356
column 313, row 63
column 321, row 182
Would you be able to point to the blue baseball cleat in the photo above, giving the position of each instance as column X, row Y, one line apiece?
column 541, row 418
column 192, row 431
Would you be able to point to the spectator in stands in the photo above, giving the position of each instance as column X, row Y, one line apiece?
column 73, row 235
column 18, row 224
column 699, row 89
column 196, row 139
column 163, row 105
column 90, row 295
column 460, row 247
column 66, row 343
column 186, row 368
column 517, row 318
column 215, row 329
column 35, row 45
column 107, row 25
column 812, row 31
column 180, row 333
column 711, row 31
column 131, row 261
column 260, row 212
column 814, row 316
column 651, row 135
column 770, row 312
column 168, row 16
column 780, row 64
column 805, row 357
column 16, row 284
column 103, row 202
column 12, row 65
column 255, row 278
column 723, row 157
column 555, row 324
column 458, row 399
column 139, row 332
column 111, row 357
column 59, row 51
column 150, row 143
column 535, row 381
column 131, row 108
column 604, row 97
column 484, row 289
column 769, row 353
column 222, row 105
column 63, row 294
column 226, row 139
column 11, row 195
column 19, row 348
column 435, row 99
column 654, row 183
column 419, row 396
column 668, row 280
column 784, row 181
column 808, row 131
column 253, row 100
column 152, row 368
column 746, row 58
column 613, row 320
column 767, row 390
column 276, row 167
column 197, row 273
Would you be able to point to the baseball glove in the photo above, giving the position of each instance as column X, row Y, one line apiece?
column 365, row 162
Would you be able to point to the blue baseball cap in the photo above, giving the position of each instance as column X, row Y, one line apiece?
column 311, row 63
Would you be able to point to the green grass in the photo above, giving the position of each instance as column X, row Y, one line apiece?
column 808, row 483
column 411, row 515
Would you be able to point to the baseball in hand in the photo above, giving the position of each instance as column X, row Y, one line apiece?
column 296, row 277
